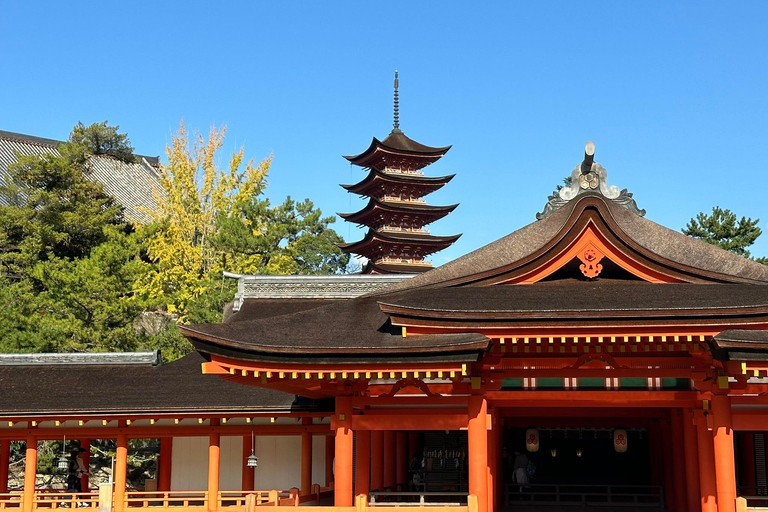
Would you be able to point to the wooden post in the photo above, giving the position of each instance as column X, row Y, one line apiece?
column 344, row 443
column 330, row 453
column 30, row 474
column 401, row 460
column 5, row 459
column 707, row 482
column 214, row 449
column 85, row 444
column 165, row 464
column 390, row 474
column 478, row 450
column 306, row 459
column 494, row 451
column 248, row 474
column 363, row 463
column 691, row 463
column 121, row 471
column 678, row 459
column 377, row 467
column 747, row 463
column 105, row 497
column 725, row 470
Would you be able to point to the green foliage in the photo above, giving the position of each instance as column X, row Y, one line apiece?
column 723, row 229
column 75, row 276
column 291, row 238
column 99, row 139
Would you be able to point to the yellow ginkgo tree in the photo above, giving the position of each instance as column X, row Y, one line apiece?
column 212, row 219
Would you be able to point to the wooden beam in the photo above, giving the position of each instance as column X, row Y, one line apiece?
column 567, row 399
column 410, row 422
column 163, row 431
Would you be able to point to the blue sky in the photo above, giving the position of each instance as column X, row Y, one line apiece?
column 674, row 94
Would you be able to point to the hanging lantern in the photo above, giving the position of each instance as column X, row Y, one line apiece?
column 62, row 462
column 553, row 451
column 532, row 440
column 578, row 452
column 620, row 440
column 252, row 461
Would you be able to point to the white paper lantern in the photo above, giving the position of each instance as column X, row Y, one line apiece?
column 620, row 440
column 532, row 440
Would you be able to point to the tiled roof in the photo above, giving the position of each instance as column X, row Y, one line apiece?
column 132, row 185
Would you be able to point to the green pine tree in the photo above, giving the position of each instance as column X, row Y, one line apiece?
column 723, row 229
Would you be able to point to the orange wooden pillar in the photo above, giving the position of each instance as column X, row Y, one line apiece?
column 707, row 481
column 121, row 471
column 390, row 475
column 478, row 451
column 725, row 470
column 214, row 462
column 344, row 448
column 85, row 444
column 401, row 460
column 493, row 452
column 30, row 474
column 678, row 460
column 164, row 464
column 5, row 460
column 306, row 459
column 746, row 441
column 248, row 474
column 363, row 463
column 330, row 453
column 691, row 462
column 377, row 464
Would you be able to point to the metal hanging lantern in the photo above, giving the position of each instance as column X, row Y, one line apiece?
column 578, row 452
column 620, row 440
column 532, row 440
column 62, row 462
column 252, row 461
column 553, row 451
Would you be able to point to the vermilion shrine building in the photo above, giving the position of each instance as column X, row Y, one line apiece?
column 627, row 360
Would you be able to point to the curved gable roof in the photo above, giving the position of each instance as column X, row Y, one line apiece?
column 697, row 260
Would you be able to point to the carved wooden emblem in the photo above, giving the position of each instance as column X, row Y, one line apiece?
column 590, row 262
column 589, row 181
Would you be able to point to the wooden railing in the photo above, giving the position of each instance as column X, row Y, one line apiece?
column 55, row 499
column 418, row 499
column 10, row 500
column 188, row 500
column 573, row 494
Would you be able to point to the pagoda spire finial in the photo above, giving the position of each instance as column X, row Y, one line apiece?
column 397, row 105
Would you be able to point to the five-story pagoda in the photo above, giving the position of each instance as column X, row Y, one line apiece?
column 397, row 213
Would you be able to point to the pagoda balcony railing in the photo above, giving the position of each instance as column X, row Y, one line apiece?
column 400, row 199
column 400, row 170
column 409, row 261
column 402, row 229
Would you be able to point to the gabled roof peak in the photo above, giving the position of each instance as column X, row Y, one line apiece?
column 589, row 177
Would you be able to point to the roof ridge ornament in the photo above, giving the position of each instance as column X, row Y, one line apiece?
column 589, row 177
column 396, row 124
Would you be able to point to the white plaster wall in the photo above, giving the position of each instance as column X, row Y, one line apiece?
column 231, row 469
column 189, row 470
column 318, row 460
column 279, row 462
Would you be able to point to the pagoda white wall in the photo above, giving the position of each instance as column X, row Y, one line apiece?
column 189, row 470
column 279, row 463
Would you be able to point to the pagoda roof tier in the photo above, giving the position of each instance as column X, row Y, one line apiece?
column 741, row 345
column 397, row 148
column 419, row 214
column 379, row 243
column 379, row 182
